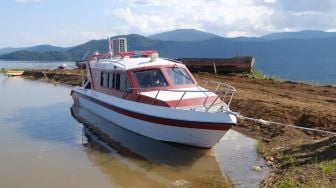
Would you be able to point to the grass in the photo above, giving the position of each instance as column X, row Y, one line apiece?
column 320, row 174
column 286, row 183
column 256, row 74
column 253, row 74
column 262, row 148
column 287, row 159
column 328, row 168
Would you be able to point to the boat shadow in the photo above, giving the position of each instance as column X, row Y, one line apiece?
column 133, row 160
column 108, row 137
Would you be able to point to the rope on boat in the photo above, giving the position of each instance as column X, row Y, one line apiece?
column 267, row 123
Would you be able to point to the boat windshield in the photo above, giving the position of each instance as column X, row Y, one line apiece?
column 179, row 76
column 150, row 78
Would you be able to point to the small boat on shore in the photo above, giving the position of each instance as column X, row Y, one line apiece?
column 14, row 73
column 155, row 97
column 63, row 66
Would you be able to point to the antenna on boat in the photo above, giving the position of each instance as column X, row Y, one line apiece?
column 110, row 46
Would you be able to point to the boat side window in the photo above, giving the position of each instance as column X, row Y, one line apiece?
column 117, row 81
column 179, row 76
column 150, row 78
column 104, row 79
column 111, row 80
column 124, row 84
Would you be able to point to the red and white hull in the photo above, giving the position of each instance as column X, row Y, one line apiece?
column 196, row 128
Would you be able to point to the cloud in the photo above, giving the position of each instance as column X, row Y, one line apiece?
column 218, row 16
column 223, row 17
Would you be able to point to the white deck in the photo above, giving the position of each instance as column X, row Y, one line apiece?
column 129, row 63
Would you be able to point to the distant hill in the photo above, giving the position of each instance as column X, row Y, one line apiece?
column 183, row 35
column 37, row 56
column 8, row 50
column 45, row 48
column 299, row 50
column 307, row 34
column 39, row 48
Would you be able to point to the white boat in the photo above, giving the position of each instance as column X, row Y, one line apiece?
column 155, row 97
column 14, row 73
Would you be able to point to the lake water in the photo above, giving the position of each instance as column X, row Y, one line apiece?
column 319, row 71
column 34, row 64
column 43, row 145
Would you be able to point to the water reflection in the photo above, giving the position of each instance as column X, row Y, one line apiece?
column 123, row 155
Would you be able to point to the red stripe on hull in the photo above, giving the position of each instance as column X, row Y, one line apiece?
column 159, row 120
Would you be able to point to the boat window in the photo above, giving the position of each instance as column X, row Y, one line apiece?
column 104, row 79
column 150, row 78
column 124, row 84
column 117, row 81
column 111, row 80
column 179, row 76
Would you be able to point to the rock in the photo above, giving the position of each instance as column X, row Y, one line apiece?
column 269, row 163
column 269, row 158
column 256, row 168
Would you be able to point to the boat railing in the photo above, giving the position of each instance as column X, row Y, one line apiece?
column 224, row 93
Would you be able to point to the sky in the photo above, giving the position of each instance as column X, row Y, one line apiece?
column 68, row 23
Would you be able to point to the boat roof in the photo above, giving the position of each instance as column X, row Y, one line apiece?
column 129, row 63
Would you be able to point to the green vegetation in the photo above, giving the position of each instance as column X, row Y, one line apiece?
column 262, row 148
column 256, row 74
column 287, row 183
column 319, row 174
column 288, row 159
column 328, row 167
column 253, row 74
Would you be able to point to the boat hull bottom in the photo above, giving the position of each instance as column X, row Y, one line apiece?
column 204, row 138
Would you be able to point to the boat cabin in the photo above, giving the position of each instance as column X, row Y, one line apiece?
column 142, row 79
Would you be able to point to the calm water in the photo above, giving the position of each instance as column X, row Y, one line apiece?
column 34, row 64
column 43, row 145
column 320, row 71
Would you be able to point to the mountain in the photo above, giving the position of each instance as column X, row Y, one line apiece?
column 39, row 48
column 221, row 47
column 37, row 56
column 44, row 48
column 8, row 50
column 307, row 34
column 183, row 35
column 302, row 51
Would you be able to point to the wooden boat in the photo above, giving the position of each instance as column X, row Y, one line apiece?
column 156, row 97
column 219, row 65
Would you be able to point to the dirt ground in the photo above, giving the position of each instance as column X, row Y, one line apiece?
column 297, row 158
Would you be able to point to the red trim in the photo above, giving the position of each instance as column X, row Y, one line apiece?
column 163, row 121
column 134, row 53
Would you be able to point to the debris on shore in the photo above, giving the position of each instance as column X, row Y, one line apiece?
column 297, row 158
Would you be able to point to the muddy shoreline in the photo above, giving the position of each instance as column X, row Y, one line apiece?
column 297, row 158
